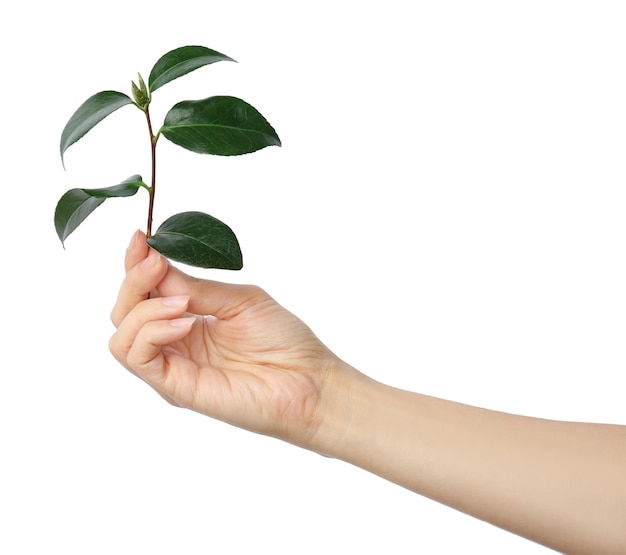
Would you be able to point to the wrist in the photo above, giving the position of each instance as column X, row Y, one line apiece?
column 374, row 426
column 348, row 402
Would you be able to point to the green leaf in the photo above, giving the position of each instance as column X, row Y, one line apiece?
column 197, row 239
column 181, row 61
column 75, row 205
column 90, row 113
column 221, row 125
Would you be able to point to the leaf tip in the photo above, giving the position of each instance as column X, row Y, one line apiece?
column 60, row 234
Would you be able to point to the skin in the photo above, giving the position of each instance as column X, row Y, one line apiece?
column 233, row 353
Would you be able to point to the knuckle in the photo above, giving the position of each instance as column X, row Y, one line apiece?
column 114, row 346
column 255, row 294
column 148, row 334
column 114, row 317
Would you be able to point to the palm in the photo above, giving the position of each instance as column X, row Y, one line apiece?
column 254, row 370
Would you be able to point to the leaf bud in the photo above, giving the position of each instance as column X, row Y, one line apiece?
column 140, row 93
column 142, row 86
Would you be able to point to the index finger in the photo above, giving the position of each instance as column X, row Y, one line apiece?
column 142, row 278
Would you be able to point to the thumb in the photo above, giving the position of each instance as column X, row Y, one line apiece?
column 214, row 298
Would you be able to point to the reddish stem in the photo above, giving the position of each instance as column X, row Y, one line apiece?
column 153, row 180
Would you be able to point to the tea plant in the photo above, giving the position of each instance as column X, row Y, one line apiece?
column 219, row 125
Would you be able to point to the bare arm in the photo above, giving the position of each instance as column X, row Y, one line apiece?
column 561, row 484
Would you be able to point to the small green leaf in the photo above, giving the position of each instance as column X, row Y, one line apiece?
column 197, row 239
column 181, row 61
column 75, row 205
column 221, row 125
column 90, row 113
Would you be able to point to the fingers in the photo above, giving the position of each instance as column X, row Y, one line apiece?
column 140, row 279
column 161, row 308
column 148, row 327
column 147, row 270
column 145, row 357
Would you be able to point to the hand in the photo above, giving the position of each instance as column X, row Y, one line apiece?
column 231, row 352
column 228, row 351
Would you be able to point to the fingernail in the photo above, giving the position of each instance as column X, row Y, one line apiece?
column 151, row 260
column 182, row 322
column 176, row 301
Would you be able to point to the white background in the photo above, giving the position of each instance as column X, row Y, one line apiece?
column 446, row 212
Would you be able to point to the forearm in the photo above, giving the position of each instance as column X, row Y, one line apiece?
column 561, row 484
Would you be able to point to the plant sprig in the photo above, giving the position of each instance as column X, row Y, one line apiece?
column 219, row 125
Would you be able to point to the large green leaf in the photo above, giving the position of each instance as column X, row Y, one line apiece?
column 181, row 61
column 197, row 239
column 221, row 125
column 90, row 113
column 75, row 205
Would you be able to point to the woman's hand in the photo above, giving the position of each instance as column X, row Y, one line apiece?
column 228, row 351
column 231, row 352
